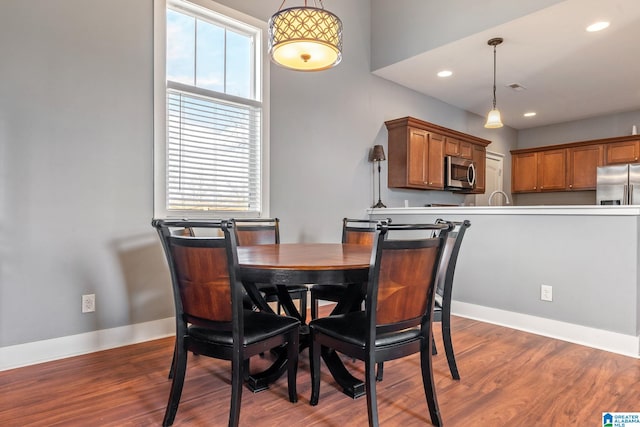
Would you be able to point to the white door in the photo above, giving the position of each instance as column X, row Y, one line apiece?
column 493, row 180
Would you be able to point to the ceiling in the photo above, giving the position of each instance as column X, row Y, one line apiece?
column 568, row 74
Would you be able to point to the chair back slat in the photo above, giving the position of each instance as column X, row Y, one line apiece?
column 448, row 262
column 402, row 276
column 257, row 231
column 205, row 288
column 405, row 280
column 360, row 231
column 359, row 237
column 203, row 280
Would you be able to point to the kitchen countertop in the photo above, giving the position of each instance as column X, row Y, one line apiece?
column 628, row 210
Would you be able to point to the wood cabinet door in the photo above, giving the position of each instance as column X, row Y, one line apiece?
column 451, row 147
column 480, row 160
column 466, row 150
column 524, row 173
column 552, row 174
column 582, row 164
column 417, row 161
column 435, row 167
column 623, row 152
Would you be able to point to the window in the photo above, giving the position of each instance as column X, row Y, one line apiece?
column 210, row 148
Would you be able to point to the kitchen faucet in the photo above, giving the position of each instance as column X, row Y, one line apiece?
column 506, row 198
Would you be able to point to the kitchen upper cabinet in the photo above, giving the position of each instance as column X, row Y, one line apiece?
column 416, row 159
column 425, row 166
column 551, row 170
column 538, row 171
column 623, row 152
column 479, row 156
column 524, row 173
column 417, row 150
column 582, row 164
column 569, row 167
column 457, row 148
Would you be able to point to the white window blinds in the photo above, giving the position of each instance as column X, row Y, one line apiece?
column 213, row 154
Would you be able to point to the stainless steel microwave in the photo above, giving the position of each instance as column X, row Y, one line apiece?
column 460, row 174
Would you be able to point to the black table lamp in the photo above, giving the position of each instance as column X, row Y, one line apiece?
column 377, row 155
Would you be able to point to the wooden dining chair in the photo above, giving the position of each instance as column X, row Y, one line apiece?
column 356, row 231
column 210, row 317
column 444, row 287
column 398, row 311
column 264, row 231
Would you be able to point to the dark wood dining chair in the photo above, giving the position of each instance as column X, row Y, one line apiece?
column 210, row 317
column 398, row 312
column 265, row 231
column 444, row 287
column 356, row 231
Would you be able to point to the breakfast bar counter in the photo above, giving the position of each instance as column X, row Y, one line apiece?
column 589, row 255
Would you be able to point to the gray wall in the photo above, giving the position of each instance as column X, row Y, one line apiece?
column 608, row 126
column 505, row 258
column 76, row 173
column 76, row 143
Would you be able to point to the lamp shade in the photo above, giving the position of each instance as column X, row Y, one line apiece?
column 493, row 119
column 305, row 38
column 377, row 154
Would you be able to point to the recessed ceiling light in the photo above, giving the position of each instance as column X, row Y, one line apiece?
column 530, row 114
column 445, row 73
column 597, row 26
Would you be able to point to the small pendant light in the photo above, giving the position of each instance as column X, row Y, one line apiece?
column 493, row 118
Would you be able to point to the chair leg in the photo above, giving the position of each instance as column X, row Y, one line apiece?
column 303, row 306
column 237, row 379
column 380, row 371
column 429, row 385
column 314, row 306
column 434, row 350
column 292, row 367
column 246, row 368
column 173, row 361
column 178, row 371
column 448, row 349
column 370, row 388
column 314, row 361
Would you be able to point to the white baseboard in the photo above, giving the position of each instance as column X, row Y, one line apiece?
column 58, row 348
column 627, row 345
column 16, row 356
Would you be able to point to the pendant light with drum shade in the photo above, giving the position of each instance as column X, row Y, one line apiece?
column 305, row 38
column 493, row 118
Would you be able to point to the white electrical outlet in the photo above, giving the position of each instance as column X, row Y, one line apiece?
column 546, row 293
column 88, row 303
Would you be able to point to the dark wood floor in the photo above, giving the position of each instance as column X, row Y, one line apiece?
column 509, row 378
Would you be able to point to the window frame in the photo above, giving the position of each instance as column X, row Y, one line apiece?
column 235, row 20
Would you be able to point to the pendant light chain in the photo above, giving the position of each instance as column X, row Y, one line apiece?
column 494, row 76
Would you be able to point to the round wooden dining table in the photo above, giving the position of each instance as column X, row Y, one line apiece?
column 287, row 264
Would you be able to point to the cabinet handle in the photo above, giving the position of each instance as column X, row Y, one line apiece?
column 541, row 187
column 570, row 185
column 535, row 188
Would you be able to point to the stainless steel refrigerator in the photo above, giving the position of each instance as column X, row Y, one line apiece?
column 618, row 185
